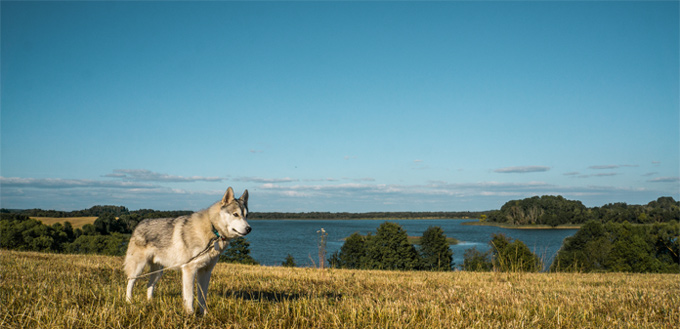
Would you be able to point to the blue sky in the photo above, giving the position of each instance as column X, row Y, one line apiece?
column 338, row 106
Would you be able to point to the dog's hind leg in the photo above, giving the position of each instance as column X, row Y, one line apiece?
column 133, row 269
column 153, row 279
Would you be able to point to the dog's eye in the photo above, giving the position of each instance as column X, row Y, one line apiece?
column 236, row 214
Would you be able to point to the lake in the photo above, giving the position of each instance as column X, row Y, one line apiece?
column 272, row 240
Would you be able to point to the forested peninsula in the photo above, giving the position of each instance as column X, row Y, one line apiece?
column 556, row 210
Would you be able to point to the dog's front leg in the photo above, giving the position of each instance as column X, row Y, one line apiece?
column 188, row 276
column 203, row 281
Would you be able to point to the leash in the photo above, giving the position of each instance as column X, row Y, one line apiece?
column 207, row 248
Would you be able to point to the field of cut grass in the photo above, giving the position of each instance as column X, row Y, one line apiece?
column 76, row 222
column 78, row 291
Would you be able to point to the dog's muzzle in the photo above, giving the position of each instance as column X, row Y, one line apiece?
column 248, row 229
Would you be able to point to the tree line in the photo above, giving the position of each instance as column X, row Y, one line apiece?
column 556, row 210
column 621, row 247
column 596, row 247
column 106, row 236
column 544, row 210
column 389, row 249
column 19, row 232
column 96, row 211
column 119, row 211
column 366, row 215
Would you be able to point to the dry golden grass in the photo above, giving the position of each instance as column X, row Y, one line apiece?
column 71, row 291
column 76, row 222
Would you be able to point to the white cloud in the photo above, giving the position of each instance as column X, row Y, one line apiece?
column 522, row 169
column 330, row 179
column 265, row 180
column 58, row 183
column 363, row 179
column 143, row 175
column 600, row 167
column 437, row 195
column 665, row 180
column 604, row 167
column 291, row 194
column 606, row 174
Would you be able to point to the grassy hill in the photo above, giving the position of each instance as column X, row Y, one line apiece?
column 76, row 291
column 76, row 222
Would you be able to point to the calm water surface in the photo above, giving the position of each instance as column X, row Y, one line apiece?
column 272, row 240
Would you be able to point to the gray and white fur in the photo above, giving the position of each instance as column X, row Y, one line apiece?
column 188, row 242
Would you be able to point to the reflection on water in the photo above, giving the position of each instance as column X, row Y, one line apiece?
column 272, row 240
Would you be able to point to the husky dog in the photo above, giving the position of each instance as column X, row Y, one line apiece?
column 192, row 242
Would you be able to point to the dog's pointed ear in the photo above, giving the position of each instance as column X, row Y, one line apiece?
column 228, row 196
column 244, row 198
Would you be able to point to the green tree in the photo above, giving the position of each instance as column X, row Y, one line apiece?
column 434, row 250
column 238, row 252
column 89, row 229
column 114, row 244
column 513, row 256
column 548, row 210
column 289, row 262
column 665, row 238
column 351, row 254
column 11, row 227
column 107, row 223
column 477, row 261
column 389, row 249
column 586, row 251
column 129, row 222
column 621, row 247
column 632, row 249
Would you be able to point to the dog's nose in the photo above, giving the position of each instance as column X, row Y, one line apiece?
column 248, row 229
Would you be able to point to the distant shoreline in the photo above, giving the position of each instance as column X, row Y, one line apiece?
column 366, row 218
column 526, row 227
column 78, row 222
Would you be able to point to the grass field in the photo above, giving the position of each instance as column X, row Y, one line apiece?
column 76, row 222
column 76, row 291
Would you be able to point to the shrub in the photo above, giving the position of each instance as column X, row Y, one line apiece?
column 238, row 252
column 289, row 262
column 477, row 261
column 434, row 250
column 621, row 247
column 513, row 256
column 389, row 249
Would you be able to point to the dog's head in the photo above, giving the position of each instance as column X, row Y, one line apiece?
column 233, row 214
